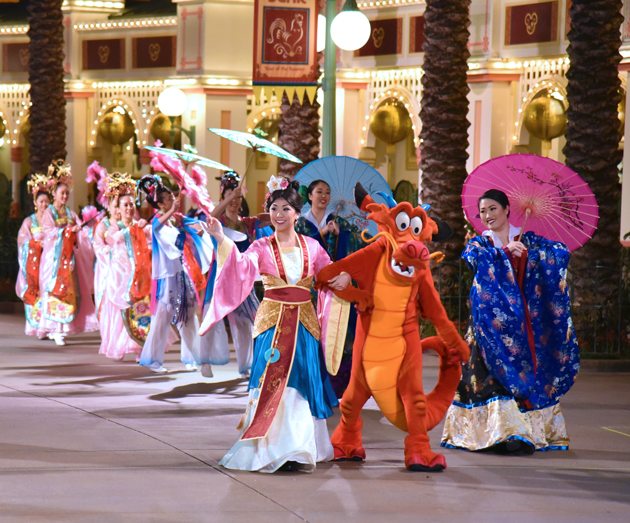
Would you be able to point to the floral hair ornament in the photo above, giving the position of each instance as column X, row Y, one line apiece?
column 38, row 183
column 119, row 184
column 275, row 183
column 59, row 172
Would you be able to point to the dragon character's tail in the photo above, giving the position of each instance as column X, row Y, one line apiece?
column 441, row 397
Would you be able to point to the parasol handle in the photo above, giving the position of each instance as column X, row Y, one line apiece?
column 251, row 157
column 527, row 214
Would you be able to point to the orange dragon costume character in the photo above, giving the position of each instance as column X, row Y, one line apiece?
column 395, row 287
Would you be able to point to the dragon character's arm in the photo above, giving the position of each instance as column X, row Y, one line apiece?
column 361, row 266
column 431, row 308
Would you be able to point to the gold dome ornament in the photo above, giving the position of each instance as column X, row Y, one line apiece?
column 391, row 122
column 117, row 127
column 545, row 118
column 161, row 130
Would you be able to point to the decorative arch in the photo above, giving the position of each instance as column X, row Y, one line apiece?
column 396, row 92
column 126, row 104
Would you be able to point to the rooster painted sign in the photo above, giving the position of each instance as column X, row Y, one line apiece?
column 285, row 54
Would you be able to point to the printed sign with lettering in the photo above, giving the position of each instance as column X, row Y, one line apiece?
column 285, row 36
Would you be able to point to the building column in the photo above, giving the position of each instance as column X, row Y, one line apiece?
column 145, row 161
column 16, row 175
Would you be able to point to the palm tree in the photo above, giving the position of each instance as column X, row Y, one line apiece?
column 299, row 133
column 593, row 136
column 444, row 136
column 47, row 115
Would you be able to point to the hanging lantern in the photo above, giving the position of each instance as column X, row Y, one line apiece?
column 161, row 130
column 391, row 122
column 117, row 127
column 544, row 117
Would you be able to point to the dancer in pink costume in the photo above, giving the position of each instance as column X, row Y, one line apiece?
column 29, row 240
column 66, row 272
column 130, row 263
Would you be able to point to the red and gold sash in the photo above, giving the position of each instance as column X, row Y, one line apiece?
column 64, row 281
column 31, row 293
column 140, row 286
column 282, row 351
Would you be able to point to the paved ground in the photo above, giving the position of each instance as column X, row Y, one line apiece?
column 84, row 439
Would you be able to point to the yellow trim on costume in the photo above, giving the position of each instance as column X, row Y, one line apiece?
column 336, row 329
column 223, row 252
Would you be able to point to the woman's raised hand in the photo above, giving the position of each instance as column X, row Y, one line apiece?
column 142, row 223
column 215, row 229
column 516, row 248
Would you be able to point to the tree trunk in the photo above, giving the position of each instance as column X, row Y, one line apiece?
column 47, row 115
column 444, row 136
column 593, row 136
column 299, row 133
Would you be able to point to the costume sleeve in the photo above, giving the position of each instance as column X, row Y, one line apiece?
column 23, row 239
column 235, row 276
column 320, row 259
column 84, row 257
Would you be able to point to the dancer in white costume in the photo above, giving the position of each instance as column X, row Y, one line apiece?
column 182, row 253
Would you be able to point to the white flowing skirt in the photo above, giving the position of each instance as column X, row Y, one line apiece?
column 294, row 435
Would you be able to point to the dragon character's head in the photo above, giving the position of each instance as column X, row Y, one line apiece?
column 406, row 228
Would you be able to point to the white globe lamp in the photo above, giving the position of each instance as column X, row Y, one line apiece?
column 172, row 102
column 350, row 30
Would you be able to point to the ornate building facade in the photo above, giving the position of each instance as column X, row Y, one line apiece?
column 121, row 56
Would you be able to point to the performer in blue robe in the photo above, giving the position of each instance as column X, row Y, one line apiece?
column 524, row 353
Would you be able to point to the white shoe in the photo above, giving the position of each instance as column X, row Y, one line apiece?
column 206, row 370
column 191, row 367
column 245, row 375
column 156, row 367
column 58, row 338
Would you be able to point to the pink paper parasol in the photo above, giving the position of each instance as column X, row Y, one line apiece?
column 546, row 197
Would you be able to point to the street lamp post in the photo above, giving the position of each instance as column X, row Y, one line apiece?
column 172, row 103
column 349, row 30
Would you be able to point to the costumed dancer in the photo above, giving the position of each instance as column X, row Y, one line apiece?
column 181, row 255
column 66, row 269
column 214, row 345
column 290, row 395
column 30, row 248
column 524, row 353
column 340, row 239
column 129, row 271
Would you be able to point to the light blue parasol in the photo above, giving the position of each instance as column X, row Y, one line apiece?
column 256, row 143
column 342, row 173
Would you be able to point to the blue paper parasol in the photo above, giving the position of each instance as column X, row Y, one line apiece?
column 188, row 158
column 255, row 142
column 342, row 173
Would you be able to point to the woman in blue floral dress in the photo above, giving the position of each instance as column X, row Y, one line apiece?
column 524, row 353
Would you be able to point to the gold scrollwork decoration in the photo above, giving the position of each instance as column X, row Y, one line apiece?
column 531, row 20
column 103, row 53
column 378, row 35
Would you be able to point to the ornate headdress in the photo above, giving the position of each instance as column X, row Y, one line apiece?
column 229, row 180
column 277, row 183
column 150, row 185
column 60, row 172
column 39, row 183
column 119, row 184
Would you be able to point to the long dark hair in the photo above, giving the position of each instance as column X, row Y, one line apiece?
column 153, row 188
column 291, row 194
column 498, row 196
